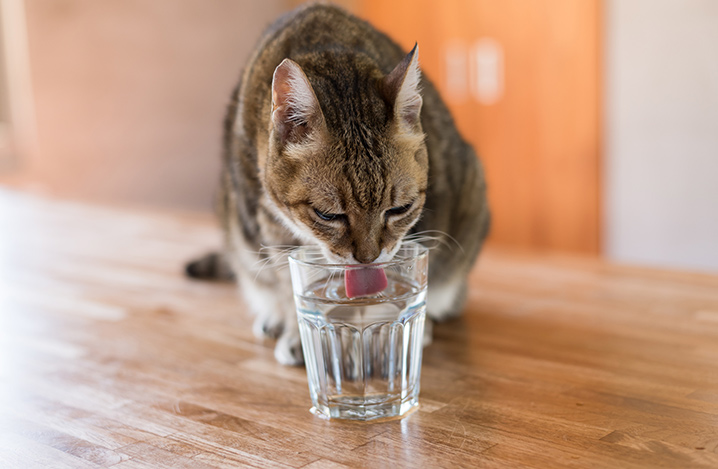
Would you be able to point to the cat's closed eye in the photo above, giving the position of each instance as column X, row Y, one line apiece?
column 399, row 210
column 330, row 216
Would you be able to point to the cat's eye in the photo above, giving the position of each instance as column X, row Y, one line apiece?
column 329, row 216
column 399, row 210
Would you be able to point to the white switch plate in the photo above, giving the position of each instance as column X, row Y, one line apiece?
column 487, row 71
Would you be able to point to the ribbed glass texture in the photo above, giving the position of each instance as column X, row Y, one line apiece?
column 363, row 355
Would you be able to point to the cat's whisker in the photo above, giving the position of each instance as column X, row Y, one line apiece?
column 264, row 264
column 259, row 271
column 429, row 242
column 435, row 243
column 437, row 235
column 276, row 261
column 277, row 246
column 264, row 248
column 332, row 273
column 274, row 256
column 314, row 276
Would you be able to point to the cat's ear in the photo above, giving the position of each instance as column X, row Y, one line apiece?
column 295, row 108
column 401, row 88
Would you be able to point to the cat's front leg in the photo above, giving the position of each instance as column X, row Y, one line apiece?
column 272, row 304
column 445, row 301
column 288, row 350
column 262, row 301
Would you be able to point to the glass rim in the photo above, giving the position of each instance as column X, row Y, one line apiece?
column 423, row 252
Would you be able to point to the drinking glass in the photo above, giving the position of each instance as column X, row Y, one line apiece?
column 362, row 328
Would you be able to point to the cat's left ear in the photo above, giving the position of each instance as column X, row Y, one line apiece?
column 401, row 88
column 295, row 108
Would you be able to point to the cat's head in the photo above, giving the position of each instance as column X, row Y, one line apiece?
column 346, row 165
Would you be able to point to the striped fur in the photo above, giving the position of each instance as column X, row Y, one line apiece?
column 332, row 118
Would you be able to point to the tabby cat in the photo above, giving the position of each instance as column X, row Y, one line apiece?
column 333, row 138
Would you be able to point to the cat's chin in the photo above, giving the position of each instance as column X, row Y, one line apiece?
column 386, row 256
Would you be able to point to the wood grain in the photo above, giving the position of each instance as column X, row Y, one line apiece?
column 109, row 357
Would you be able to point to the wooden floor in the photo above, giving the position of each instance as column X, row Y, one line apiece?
column 110, row 357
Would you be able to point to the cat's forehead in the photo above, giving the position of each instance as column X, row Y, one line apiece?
column 362, row 154
column 347, row 88
column 363, row 180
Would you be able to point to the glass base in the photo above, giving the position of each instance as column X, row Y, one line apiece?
column 362, row 408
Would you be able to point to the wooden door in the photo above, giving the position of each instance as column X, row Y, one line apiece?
column 523, row 81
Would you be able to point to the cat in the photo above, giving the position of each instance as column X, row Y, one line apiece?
column 334, row 138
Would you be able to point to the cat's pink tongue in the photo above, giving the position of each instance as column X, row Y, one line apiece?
column 365, row 281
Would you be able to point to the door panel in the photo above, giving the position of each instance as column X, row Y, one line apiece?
column 522, row 79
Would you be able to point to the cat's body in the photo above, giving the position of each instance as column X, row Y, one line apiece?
column 334, row 147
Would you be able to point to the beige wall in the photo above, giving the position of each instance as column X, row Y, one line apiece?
column 662, row 132
column 4, row 101
column 130, row 94
column 5, row 153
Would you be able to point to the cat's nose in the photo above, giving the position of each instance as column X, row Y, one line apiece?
column 367, row 255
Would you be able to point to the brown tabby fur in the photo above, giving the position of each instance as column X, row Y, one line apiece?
column 356, row 142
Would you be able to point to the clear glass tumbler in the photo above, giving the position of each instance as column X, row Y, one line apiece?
column 362, row 329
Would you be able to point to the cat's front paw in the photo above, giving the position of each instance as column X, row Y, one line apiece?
column 446, row 301
column 288, row 350
column 268, row 326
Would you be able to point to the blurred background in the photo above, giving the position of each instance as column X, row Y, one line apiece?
column 597, row 120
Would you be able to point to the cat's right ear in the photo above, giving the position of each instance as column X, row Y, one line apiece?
column 401, row 88
column 295, row 108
